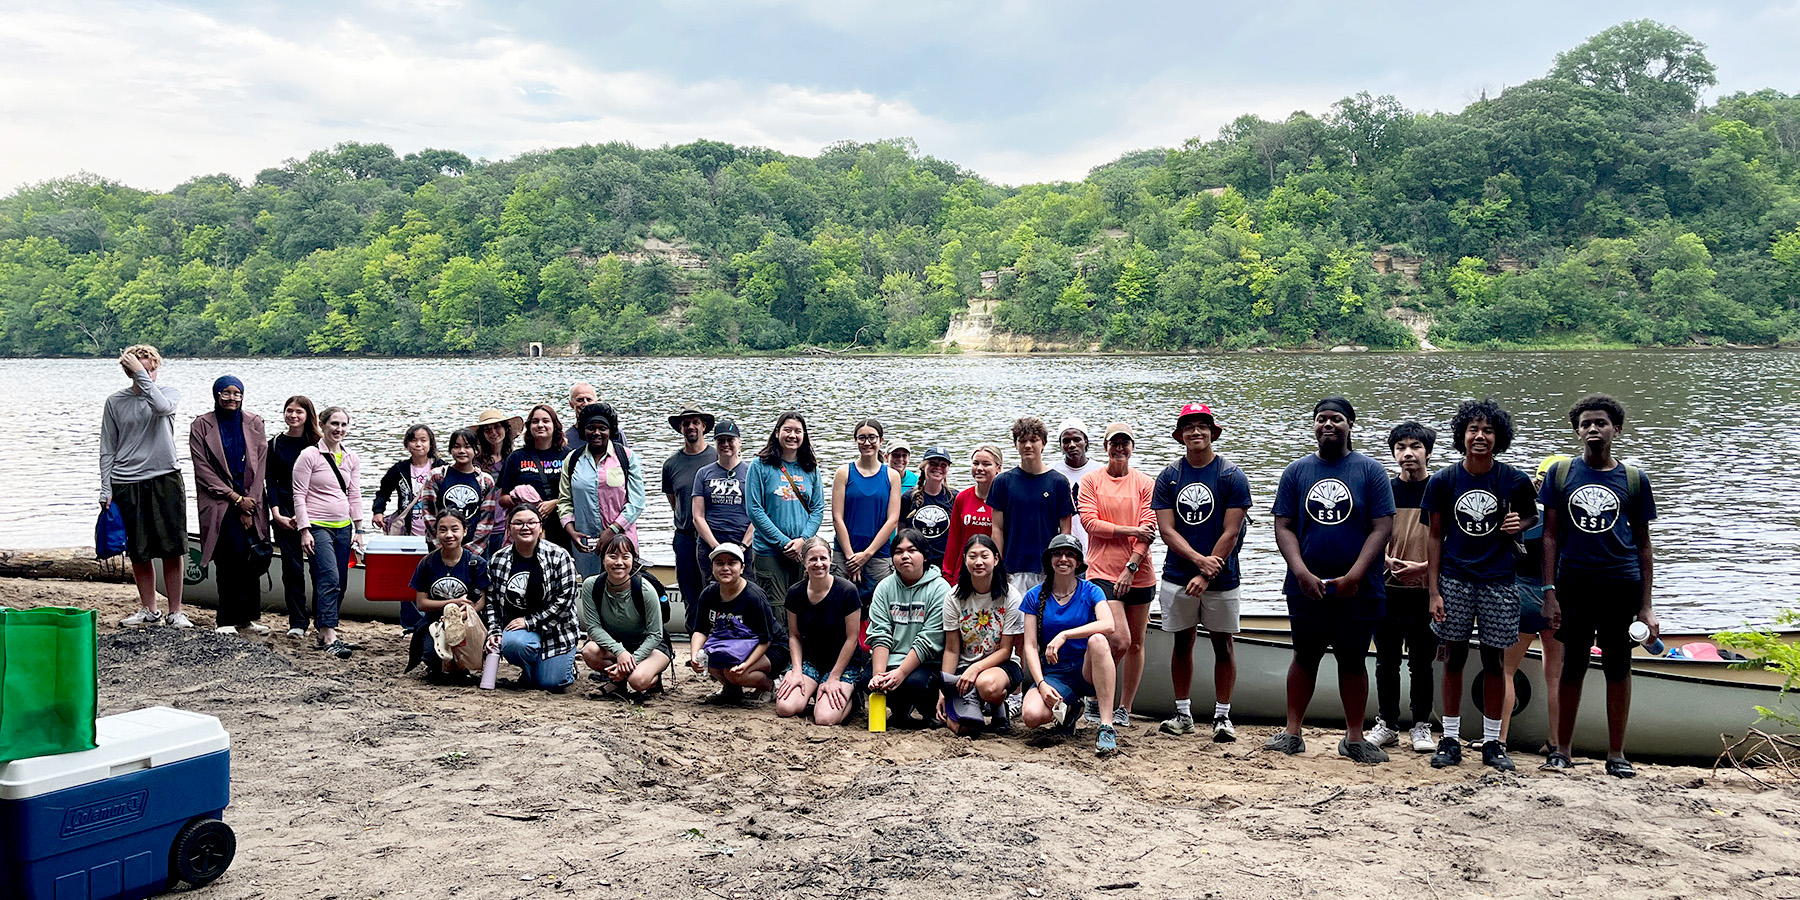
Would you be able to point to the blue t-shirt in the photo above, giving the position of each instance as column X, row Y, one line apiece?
column 1334, row 506
column 1034, row 506
column 1055, row 618
column 445, row 582
column 1473, row 506
column 721, row 496
column 1199, row 498
column 1596, row 511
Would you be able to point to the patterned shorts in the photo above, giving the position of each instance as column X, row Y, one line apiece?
column 1495, row 605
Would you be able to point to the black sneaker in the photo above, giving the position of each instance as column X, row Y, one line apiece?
column 1493, row 753
column 1449, row 753
column 728, row 694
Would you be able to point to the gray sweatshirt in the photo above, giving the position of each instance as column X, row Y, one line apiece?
column 137, row 434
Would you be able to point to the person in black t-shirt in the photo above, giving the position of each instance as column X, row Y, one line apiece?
column 824, row 623
column 537, row 464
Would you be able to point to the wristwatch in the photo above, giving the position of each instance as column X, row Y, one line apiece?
column 1131, row 566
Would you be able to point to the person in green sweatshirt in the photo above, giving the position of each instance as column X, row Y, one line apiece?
column 621, row 618
column 906, row 633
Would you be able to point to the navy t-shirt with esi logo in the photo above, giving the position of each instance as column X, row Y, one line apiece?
column 1334, row 506
column 444, row 582
column 1596, row 511
column 1473, row 506
column 1199, row 499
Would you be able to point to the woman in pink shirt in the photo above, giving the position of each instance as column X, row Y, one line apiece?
column 970, row 513
column 1115, row 509
column 328, row 515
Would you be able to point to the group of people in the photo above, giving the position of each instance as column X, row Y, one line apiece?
column 1024, row 598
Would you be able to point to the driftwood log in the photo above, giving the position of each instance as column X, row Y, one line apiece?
column 72, row 563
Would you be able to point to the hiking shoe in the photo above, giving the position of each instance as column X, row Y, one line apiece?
column 226, row 629
column 1381, row 735
column 1449, row 753
column 180, row 620
column 295, row 634
column 1090, row 711
column 257, row 628
column 141, row 617
column 1557, row 762
column 1493, row 753
column 1223, row 731
column 1180, row 723
column 1286, row 743
column 1107, row 743
column 339, row 649
column 1363, row 751
column 1121, row 718
column 1620, row 768
column 1421, row 738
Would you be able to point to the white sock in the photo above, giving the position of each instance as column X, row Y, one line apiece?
column 1490, row 729
column 1453, row 727
column 1221, row 710
column 1184, row 708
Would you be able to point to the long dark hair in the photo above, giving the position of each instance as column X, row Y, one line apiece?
column 484, row 451
column 557, row 441
column 770, row 455
column 965, row 583
column 313, row 434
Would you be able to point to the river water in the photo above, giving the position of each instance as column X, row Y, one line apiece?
column 1714, row 429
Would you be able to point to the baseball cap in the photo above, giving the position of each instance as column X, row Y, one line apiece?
column 932, row 453
column 725, row 428
column 727, row 547
column 1117, row 428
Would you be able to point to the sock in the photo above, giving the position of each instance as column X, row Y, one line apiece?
column 1221, row 710
column 1490, row 729
column 1453, row 727
column 1184, row 708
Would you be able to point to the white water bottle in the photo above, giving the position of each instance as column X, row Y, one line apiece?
column 490, row 670
column 1641, row 633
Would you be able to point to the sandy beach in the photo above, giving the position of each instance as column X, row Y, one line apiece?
column 351, row 780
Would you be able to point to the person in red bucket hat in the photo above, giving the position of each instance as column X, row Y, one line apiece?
column 1201, row 502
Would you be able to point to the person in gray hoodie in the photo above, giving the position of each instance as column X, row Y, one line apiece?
column 138, row 470
column 906, row 632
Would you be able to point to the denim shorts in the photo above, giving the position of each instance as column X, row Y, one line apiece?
column 1531, row 607
column 855, row 673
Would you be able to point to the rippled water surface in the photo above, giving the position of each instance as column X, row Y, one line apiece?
column 1716, row 430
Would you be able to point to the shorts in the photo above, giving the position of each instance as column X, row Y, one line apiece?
column 1021, row 582
column 1597, row 611
column 1015, row 673
column 1216, row 611
column 1345, row 625
column 1069, row 684
column 1495, row 605
column 1531, row 607
column 155, row 513
column 855, row 673
column 1137, row 596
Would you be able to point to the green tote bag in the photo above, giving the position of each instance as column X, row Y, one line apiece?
column 48, row 689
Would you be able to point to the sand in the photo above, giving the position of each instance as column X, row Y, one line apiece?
column 351, row 780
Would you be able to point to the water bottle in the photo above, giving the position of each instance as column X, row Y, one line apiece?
column 877, row 711
column 1641, row 633
column 490, row 670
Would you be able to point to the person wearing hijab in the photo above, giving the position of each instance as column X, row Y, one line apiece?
column 230, row 454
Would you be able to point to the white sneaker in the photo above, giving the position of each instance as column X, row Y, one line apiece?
column 1015, row 706
column 257, row 628
column 226, row 629
column 1090, row 711
column 295, row 634
column 1421, row 738
column 141, row 617
column 1121, row 718
column 1223, row 731
column 180, row 620
column 1382, row 735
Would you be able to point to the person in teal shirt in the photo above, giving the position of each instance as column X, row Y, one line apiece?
column 786, row 501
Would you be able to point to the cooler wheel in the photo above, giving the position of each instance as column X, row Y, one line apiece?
column 202, row 852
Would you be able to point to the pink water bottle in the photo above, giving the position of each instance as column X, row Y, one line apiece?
column 490, row 670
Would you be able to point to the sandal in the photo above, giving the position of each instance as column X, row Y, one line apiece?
column 1620, row 768
column 1557, row 762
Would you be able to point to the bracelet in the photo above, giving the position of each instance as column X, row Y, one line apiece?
column 1549, row 587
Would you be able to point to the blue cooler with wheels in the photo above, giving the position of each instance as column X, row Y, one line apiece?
column 135, row 816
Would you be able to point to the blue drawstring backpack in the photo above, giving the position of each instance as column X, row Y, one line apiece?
column 109, row 533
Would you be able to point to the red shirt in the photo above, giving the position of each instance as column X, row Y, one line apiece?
column 969, row 516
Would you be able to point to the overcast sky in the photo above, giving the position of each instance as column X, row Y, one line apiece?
column 153, row 93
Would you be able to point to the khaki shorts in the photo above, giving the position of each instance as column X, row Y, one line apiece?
column 1216, row 611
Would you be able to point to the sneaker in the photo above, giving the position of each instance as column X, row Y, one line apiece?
column 339, row 649
column 1180, row 723
column 1223, row 731
column 1286, row 743
column 257, row 628
column 1363, row 751
column 1107, row 743
column 180, row 620
column 1382, row 735
column 1449, row 753
column 1121, row 718
column 295, row 634
column 1421, row 738
column 731, row 694
column 1090, row 711
column 141, row 617
column 1002, row 723
column 1493, row 753
column 226, row 629
column 1015, row 705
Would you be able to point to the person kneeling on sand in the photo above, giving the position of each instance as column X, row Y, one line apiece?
column 906, row 632
column 736, row 638
column 531, row 622
column 621, row 615
column 454, row 576
column 824, row 621
column 982, row 622
column 1067, row 621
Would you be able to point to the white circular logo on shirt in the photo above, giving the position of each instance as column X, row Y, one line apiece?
column 448, row 588
column 1195, row 503
column 1594, row 508
column 932, row 520
column 461, row 497
column 518, row 583
column 1328, row 502
column 1478, row 513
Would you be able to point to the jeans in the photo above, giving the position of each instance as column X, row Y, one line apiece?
column 410, row 617
column 525, row 649
column 1408, row 623
column 687, row 570
column 293, row 576
column 330, row 569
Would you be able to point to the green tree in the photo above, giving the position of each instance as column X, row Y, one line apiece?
column 1642, row 59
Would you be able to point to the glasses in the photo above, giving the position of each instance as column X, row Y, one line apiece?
column 231, row 394
column 868, row 438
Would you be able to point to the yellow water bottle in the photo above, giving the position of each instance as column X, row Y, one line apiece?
column 877, row 711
